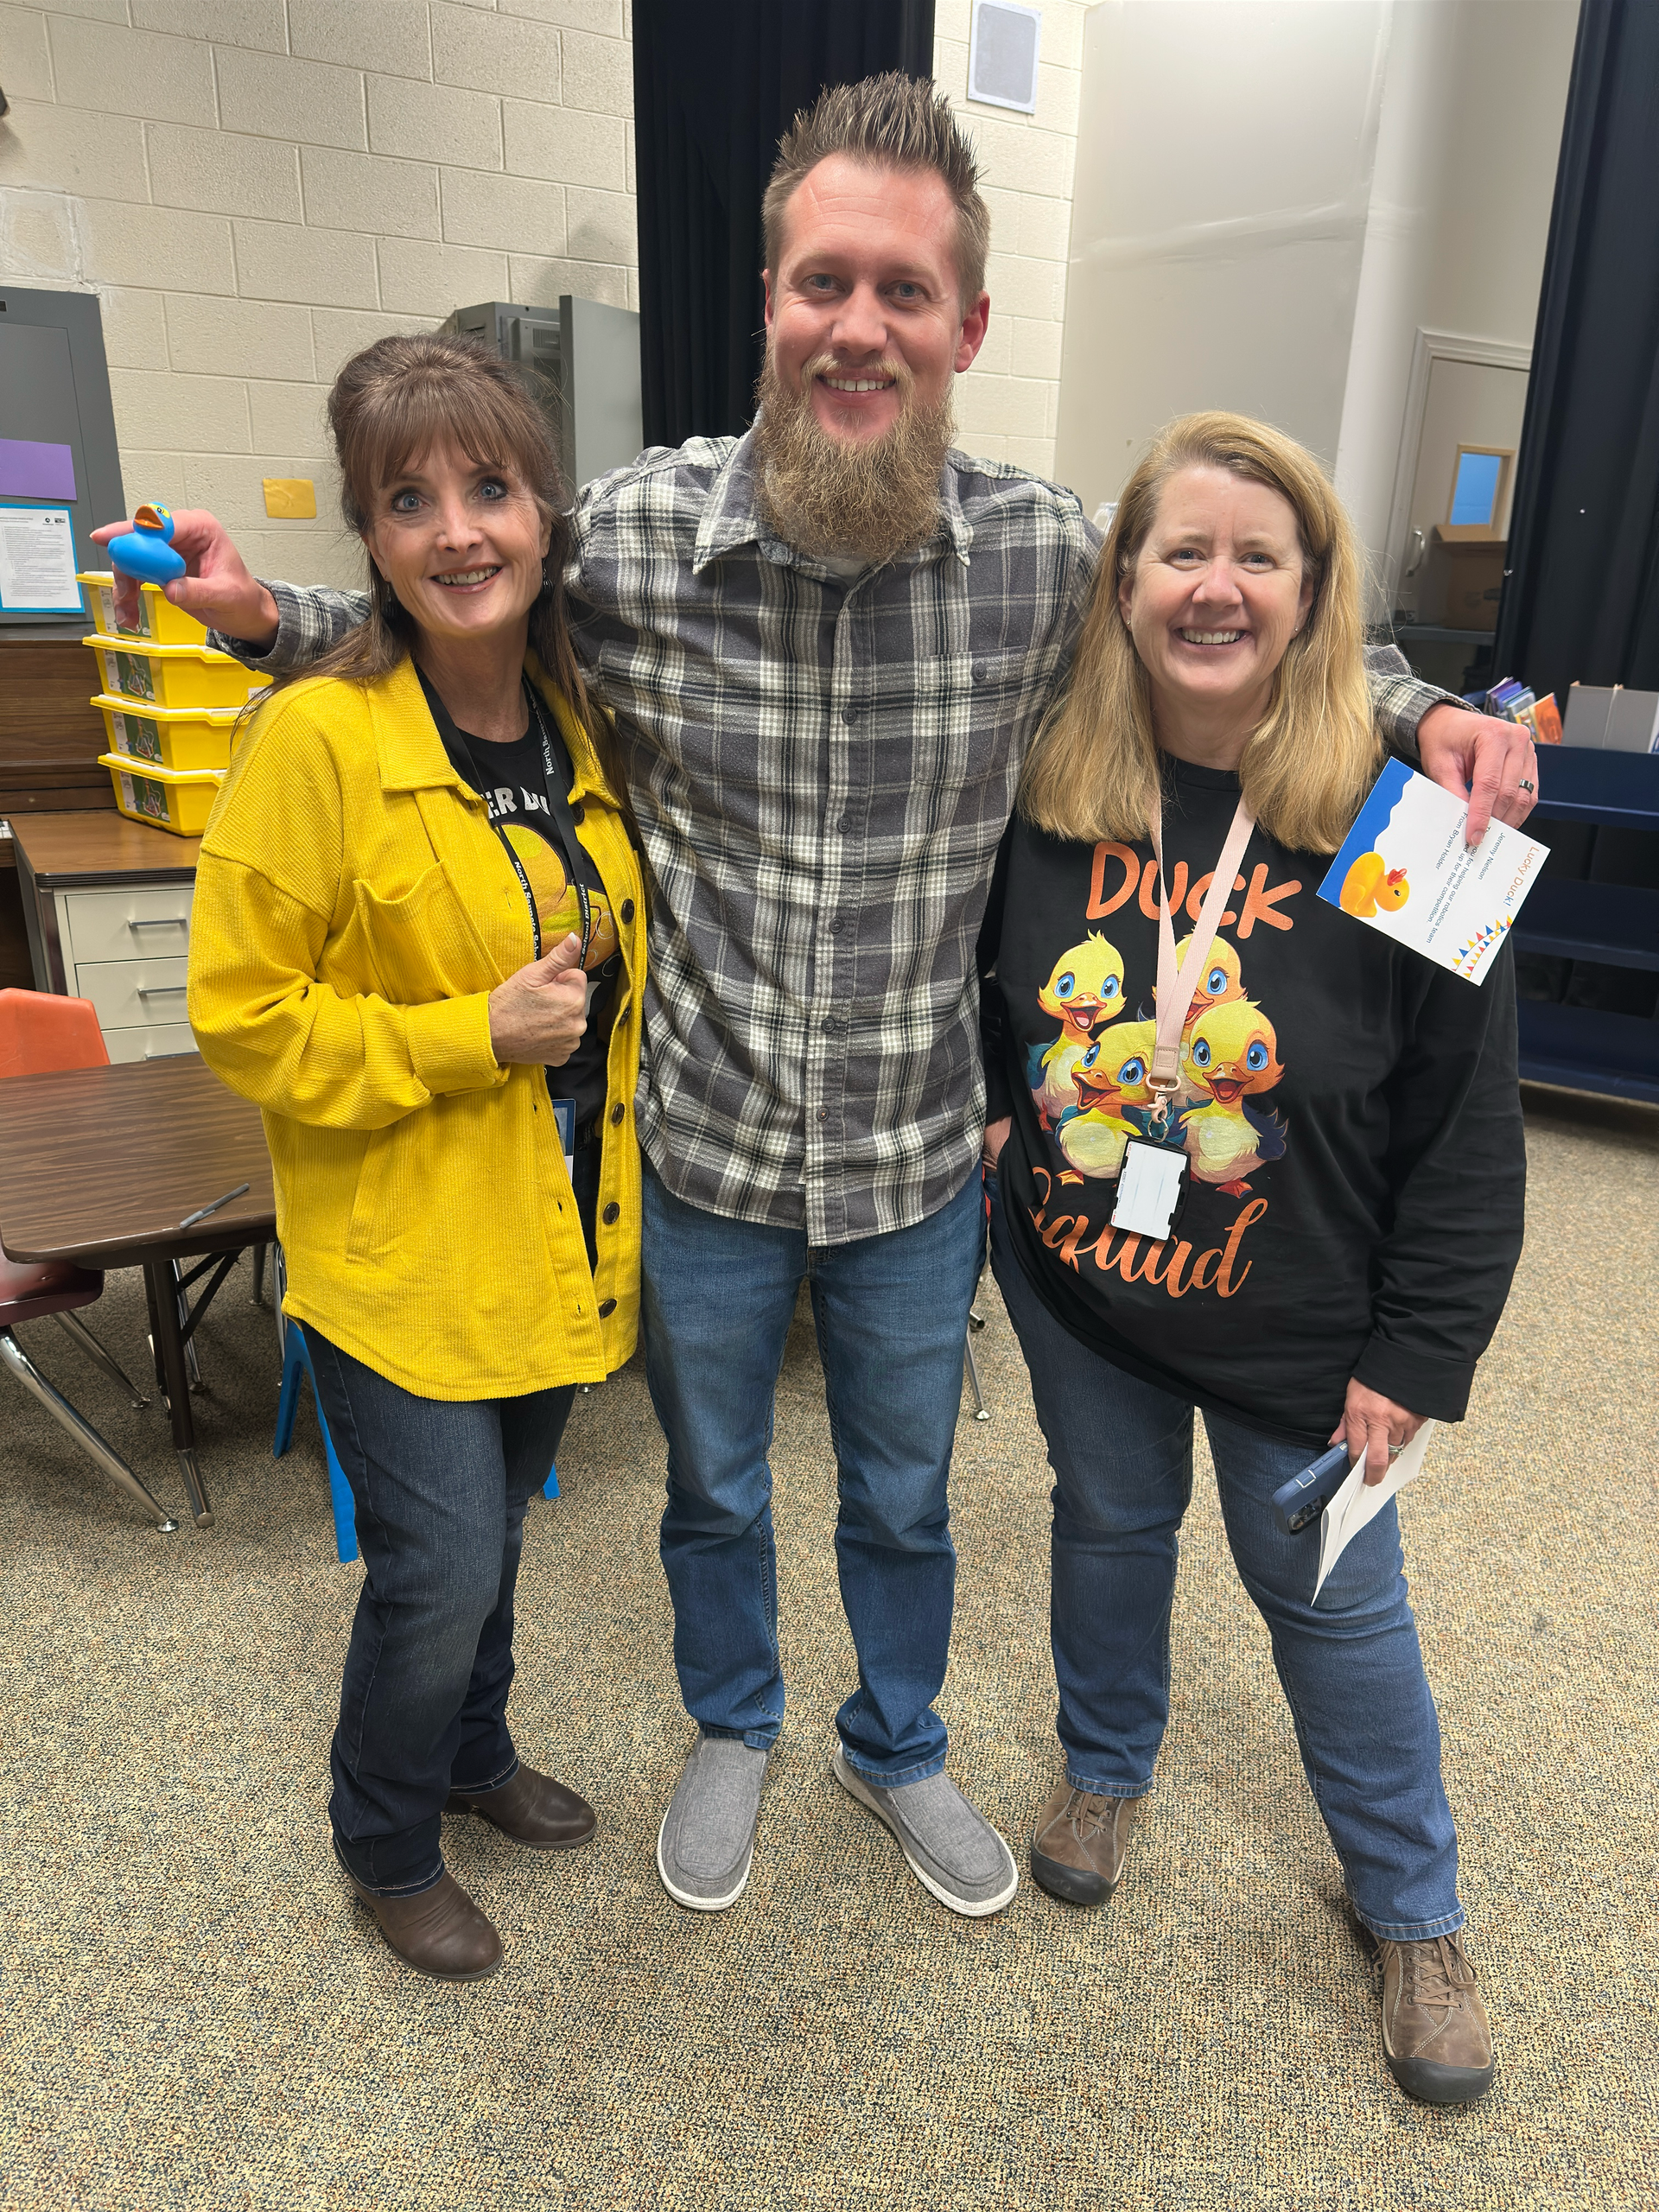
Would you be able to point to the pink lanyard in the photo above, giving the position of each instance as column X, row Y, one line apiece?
column 1176, row 990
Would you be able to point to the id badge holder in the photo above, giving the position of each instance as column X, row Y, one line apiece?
column 1152, row 1186
column 564, row 1118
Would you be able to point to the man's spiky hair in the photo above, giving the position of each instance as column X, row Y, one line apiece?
column 894, row 122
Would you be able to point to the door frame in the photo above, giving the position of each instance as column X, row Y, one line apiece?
column 1427, row 347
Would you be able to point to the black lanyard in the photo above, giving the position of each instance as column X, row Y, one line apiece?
column 558, row 808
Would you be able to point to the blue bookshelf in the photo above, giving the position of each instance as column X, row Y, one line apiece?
column 1582, row 1047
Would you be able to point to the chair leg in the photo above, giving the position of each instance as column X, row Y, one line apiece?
column 94, row 1351
column 980, row 1412
column 191, row 1364
column 83, row 1432
column 259, row 1274
column 288, row 1400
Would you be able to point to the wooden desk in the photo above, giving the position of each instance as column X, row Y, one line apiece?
column 106, row 903
column 99, row 1165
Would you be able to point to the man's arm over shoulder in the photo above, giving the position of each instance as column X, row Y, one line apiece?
column 1399, row 699
column 310, row 618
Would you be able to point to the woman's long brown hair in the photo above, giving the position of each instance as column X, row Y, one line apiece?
column 392, row 403
column 1094, row 769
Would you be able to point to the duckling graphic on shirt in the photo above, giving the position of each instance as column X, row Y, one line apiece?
column 556, row 905
column 1229, row 1057
column 1083, row 992
column 1371, row 887
column 1223, row 979
column 1114, row 1101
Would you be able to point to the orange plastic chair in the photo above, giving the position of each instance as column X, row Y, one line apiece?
column 40, row 1033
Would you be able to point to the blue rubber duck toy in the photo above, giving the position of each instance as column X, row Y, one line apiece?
column 146, row 551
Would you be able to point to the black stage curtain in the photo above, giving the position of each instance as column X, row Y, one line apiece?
column 715, row 84
column 1581, row 599
column 1581, row 602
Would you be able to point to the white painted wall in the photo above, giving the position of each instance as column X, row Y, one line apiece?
column 256, row 188
column 1458, row 224
column 1218, row 220
column 1272, row 196
column 1007, row 403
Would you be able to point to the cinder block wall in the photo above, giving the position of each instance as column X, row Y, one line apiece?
column 1008, row 402
column 255, row 188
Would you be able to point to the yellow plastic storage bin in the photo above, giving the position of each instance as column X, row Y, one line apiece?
column 159, row 620
column 172, row 676
column 179, row 799
column 169, row 737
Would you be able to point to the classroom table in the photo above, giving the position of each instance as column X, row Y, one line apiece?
column 101, row 1166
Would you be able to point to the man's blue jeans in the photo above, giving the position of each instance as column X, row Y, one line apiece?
column 1350, row 1667
column 892, row 1317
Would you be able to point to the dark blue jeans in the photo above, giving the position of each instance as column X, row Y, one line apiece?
column 892, row 1313
column 441, row 1488
column 1350, row 1667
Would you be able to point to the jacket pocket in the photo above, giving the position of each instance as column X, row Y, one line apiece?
column 371, row 1230
column 422, row 946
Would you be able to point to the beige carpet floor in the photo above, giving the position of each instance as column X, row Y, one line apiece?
column 195, row 2015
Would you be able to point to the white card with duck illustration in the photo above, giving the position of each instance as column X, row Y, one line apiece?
column 1404, row 869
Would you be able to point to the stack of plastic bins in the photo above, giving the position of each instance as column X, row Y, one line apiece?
column 170, row 705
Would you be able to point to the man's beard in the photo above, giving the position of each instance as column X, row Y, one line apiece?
column 875, row 497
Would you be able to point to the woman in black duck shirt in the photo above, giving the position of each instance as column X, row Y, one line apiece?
column 1350, row 1127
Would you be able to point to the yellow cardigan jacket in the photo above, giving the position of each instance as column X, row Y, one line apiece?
column 353, row 909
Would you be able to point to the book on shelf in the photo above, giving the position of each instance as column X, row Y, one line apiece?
column 1512, row 703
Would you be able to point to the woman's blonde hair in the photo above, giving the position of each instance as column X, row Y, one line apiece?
column 1093, row 771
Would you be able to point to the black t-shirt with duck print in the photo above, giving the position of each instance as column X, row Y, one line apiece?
column 1349, row 1109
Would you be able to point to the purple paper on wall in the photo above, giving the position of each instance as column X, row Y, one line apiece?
column 30, row 470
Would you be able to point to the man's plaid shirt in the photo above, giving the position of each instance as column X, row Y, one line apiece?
column 822, row 771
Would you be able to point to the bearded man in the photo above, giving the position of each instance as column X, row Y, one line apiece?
column 827, row 645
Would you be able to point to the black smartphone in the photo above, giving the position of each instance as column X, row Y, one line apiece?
column 1300, row 1502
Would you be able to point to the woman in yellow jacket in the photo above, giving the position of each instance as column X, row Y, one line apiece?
column 419, row 948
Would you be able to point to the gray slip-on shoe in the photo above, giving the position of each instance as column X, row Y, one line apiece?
column 953, row 1851
column 707, row 1839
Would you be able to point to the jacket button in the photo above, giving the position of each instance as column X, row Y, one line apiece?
column 607, row 1307
column 627, row 910
column 612, row 1212
column 578, row 813
column 618, row 1116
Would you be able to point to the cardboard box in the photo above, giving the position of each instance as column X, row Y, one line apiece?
column 1462, row 582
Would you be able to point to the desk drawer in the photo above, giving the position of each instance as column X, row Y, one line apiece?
column 163, row 1040
column 148, row 922
column 133, row 994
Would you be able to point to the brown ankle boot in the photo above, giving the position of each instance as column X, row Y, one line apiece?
column 1078, row 1843
column 533, row 1809
column 1436, row 2036
column 440, row 1932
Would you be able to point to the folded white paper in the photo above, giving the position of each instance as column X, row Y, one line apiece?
column 1355, row 1504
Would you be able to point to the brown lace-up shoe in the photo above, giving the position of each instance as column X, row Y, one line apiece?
column 533, row 1809
column 1436, row 2036
column 440, row 1932
column 1078, row 1843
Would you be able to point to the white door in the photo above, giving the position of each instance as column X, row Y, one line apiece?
column 1468, row 403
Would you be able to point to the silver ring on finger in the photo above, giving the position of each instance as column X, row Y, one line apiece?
column 1394, row 1450
column 1524, row 785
